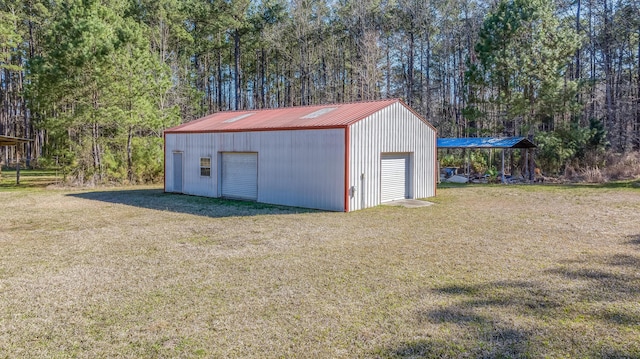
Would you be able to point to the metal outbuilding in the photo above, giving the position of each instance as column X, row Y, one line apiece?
column 340, row 157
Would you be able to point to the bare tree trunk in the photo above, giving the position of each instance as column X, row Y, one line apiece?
column 323, row 80
column 95, row 136
column 421, row 84
column 230, row 85
column 278, row 80
column 427, row 70
column 219, row 81
column 459, row 85
column 637, row 120
column 608, row 71
column 130, row 154
column 97, row 160
column 303, row 73
column 263, row 80
column 207, row 83
column 287, row 91
column 388, row 65
column 236, row 47
column 28, row 125
column 410, row 69
column 592, row 65
column 620, row 120
column 577, row 72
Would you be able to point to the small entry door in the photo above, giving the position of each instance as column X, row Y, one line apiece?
column 177, row 172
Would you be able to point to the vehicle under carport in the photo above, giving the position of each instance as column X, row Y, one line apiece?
column 490, row 143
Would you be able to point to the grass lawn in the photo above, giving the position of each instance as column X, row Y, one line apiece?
column 29, row 178
column 485, row 272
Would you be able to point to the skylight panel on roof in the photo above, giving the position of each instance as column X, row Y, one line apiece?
column 239, row 117
column 319, row 112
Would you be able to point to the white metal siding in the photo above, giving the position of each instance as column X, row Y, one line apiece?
column 394, row 177
column 239, row 175
column 303, row 168
column 393, row 129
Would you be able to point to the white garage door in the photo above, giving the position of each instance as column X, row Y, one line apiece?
column 394, row 176
column 240, row 175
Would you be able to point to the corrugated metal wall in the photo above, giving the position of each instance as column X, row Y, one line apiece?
column 395, row 129
column 297, row 168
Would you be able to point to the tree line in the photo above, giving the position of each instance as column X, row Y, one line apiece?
column 95, row 82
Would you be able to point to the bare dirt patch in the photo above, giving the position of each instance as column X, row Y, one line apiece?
column 494, row 271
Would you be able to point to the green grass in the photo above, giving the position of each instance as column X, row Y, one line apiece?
column 29, row 179
column 634, row 184
column 487, row 271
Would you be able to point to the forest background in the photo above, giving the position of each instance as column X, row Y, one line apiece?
column 95, row 82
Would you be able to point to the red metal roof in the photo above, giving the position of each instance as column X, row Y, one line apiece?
column 289, row 118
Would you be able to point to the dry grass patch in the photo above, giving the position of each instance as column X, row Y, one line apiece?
column 485, row 272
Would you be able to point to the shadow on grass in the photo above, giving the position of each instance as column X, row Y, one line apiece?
column 606, row 277
column 470, row 331
column 492, row 341
column 621, row 316
column 201, row 206
column 535, row 318
column 624, row 260
column 634, row 240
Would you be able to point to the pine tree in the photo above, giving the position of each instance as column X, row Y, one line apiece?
column 98, row 84
column 523, row 53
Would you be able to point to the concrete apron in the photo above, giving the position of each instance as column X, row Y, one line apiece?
column 408, row 203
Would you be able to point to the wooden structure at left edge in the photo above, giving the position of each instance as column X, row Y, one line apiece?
column 14, row 141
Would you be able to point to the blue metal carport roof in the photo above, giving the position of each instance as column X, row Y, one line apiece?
column 485, row 142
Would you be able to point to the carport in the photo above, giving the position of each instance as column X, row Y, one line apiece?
column 490, row 143
column 14, row 141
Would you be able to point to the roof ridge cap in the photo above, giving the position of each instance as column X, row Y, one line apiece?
column 393, row 99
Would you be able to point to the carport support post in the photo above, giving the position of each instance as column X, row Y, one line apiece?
column 503, row 181
column 17, row 165
column 490, row 157
column 532, row 166
column 526, row 165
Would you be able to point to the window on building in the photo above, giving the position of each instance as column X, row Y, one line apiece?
column 205, row 166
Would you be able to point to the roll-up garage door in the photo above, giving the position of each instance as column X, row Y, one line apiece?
column 394, row 176
column 240, row 175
